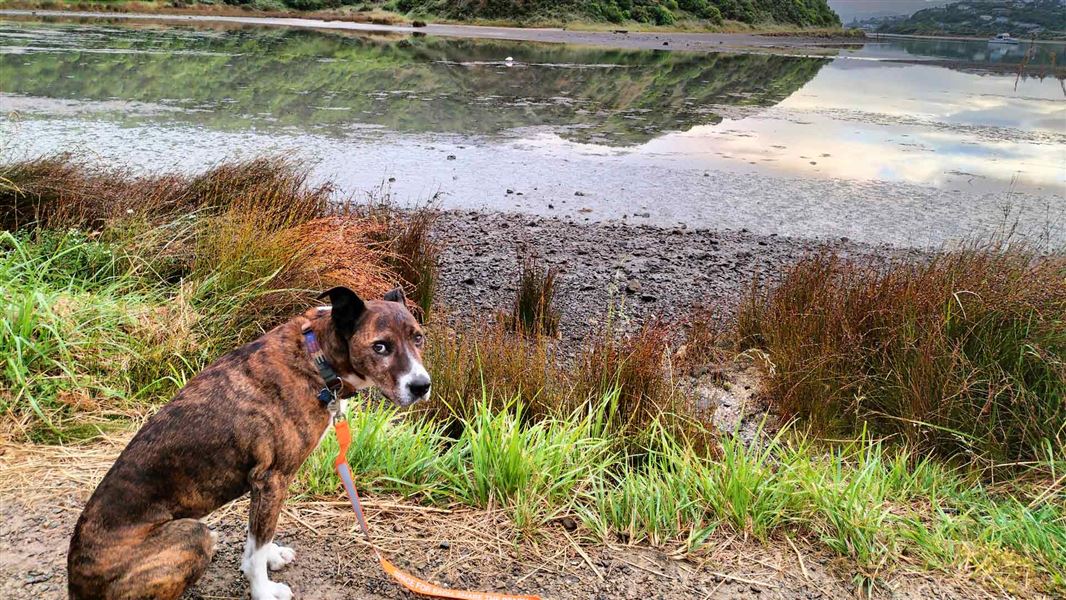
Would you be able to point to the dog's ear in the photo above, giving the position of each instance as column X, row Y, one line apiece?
column 396, row 295
column 347, row 307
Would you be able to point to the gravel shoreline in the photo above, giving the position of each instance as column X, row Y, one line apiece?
column 650, row 270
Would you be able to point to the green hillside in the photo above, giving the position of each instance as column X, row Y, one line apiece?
column 1041, row 19
column 661, row 12
column 688, row 14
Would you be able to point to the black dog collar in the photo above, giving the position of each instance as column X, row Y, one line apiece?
column 333, row 383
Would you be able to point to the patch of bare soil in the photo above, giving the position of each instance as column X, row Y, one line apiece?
column 42, row 489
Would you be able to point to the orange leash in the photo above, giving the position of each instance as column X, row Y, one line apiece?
column 412, row 583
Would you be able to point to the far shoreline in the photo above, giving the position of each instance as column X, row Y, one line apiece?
column 874, row 36
column 785, row 43
column 812, row 43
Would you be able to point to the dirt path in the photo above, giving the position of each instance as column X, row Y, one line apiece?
column 43, row 488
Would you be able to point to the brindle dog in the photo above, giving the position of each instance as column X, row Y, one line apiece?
column 245, row 424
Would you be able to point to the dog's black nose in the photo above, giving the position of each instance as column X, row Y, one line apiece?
column 419, row 387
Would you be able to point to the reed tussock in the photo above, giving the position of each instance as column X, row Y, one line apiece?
column 67, row 191
column 486, row 362
column 405, row 237
column 637, row 367
column 533, row 311
column 963, row 355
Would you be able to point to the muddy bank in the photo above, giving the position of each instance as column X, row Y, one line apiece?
column 640, row 270
column 699, row 42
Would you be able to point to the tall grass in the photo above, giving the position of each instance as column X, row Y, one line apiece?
column 489, row 362
column 480, row 361
column 637, row 365
column 964, row 354
column 536, row 469
column 117, row 288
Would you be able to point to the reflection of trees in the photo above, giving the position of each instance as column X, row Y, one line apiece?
column 308, row 79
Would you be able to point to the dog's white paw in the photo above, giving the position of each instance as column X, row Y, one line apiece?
column 279, row 556
column 272, row 590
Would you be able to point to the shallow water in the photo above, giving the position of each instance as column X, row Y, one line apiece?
column 859, row 145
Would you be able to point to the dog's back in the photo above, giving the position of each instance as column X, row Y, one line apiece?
column 139, row 532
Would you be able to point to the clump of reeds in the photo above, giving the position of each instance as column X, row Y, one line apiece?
column 481, row 362
column 963, row 354
column 705, row 340
column 533, row 311
column 634, row 370
column 64, row 191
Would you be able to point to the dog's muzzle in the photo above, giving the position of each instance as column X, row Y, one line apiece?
column 415, row 385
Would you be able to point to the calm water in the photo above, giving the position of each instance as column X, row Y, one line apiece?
column 858, row 145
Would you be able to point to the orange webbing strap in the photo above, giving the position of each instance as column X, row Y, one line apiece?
column 412, row 583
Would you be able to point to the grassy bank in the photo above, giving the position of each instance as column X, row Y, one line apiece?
column 118, row 288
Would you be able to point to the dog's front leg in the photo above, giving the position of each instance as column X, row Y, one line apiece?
column 260, row 551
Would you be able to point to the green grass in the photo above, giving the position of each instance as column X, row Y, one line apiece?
column 83, row 329
column 878, row 506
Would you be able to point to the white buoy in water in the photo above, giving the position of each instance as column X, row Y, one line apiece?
column 509, row 60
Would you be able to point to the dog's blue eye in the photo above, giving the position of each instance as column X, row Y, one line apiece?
column 381, row 348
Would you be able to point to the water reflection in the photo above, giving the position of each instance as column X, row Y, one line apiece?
column 236, row 78
column 1050, row 54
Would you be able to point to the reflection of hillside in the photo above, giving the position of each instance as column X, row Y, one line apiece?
column 981, row 52
column 309, row 79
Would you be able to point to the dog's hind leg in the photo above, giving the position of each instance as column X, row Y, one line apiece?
column 260, row 552
column 172, row 556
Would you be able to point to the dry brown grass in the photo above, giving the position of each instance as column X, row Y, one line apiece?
column 63, row 191
column 486, row 361
column 635, row 372
column 964, row 354
column 705, row 340
column 238, row 224
column 637, row 368
column 405, row 237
